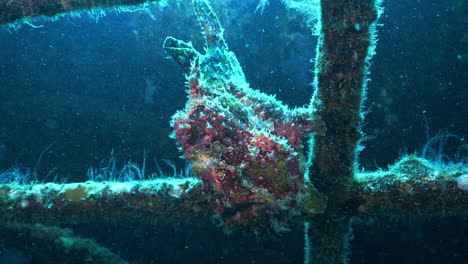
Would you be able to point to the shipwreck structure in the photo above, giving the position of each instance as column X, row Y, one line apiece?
column 247, row 150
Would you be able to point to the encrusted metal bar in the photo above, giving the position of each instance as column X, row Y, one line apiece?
column 412, row 187
column 41, row 242
column 346, row 36
column 177, row 200
column 328, row 239
column 246, row 147
column 13, row 10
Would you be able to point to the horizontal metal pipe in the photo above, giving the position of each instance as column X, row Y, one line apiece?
column 14, row 10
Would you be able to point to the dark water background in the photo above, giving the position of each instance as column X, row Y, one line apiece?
column 79, row 88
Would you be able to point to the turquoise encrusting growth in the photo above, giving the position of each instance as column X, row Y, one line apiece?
column 413, row 186
column 462, row 182
column 245, row 145
column 14, row 10
column 143, row 201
